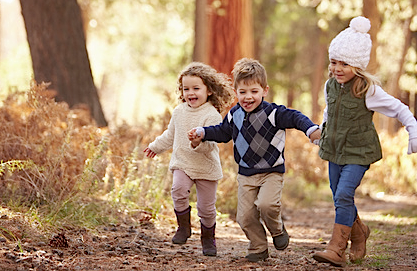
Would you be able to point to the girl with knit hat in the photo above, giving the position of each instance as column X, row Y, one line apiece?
column 349, row 140
column 203, row 93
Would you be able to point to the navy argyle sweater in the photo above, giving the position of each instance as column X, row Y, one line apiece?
column 258, row 136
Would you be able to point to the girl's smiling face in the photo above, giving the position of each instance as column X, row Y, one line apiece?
column 341, row 71
column 195, row 92
column 250, row 95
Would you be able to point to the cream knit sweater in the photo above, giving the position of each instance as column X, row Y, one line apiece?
column 202, row 162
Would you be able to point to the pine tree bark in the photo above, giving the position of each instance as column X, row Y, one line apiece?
column 200, row 30
column 59, row 54
column 320, row 51
column 370, row 11
column 230, row 33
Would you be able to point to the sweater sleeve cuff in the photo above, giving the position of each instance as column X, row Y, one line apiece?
column 412, row 131
column 311, row 130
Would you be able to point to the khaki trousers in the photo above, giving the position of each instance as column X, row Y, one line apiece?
column 259, row 198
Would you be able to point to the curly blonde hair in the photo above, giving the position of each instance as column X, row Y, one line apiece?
column 362, row 81
column 218, row 83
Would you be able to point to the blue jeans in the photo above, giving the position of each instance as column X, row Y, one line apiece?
column 344, row 179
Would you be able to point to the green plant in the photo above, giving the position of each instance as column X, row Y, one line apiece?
column 6, row 233
column 14, row 165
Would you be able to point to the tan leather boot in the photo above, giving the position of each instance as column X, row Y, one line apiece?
column 335, row 251
column 360, row 232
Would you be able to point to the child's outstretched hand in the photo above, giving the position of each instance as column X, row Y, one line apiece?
column 149, row 153
column 196, row 135
column 412, row 145
column 315, row 136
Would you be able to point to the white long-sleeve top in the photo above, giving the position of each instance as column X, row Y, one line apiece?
column 378, row 100
column 203, row 162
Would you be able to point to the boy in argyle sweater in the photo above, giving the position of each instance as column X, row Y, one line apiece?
column 258, row 132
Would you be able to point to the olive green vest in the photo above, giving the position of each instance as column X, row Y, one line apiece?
column 349, row 135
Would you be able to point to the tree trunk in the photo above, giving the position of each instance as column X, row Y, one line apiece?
column 390, row 124
column 393, row 83
column 200, row 30
column 370, row 11
column 415, row 103
column 320, row 51
column 230, row 33
column 59, row 54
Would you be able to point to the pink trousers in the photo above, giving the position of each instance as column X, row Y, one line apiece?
column 206, row 196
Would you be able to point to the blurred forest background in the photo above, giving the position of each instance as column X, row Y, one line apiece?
column 85, row 86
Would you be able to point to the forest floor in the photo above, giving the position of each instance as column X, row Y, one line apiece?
column 392, row 244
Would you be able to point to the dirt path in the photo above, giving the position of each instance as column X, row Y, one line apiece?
column 391, row 246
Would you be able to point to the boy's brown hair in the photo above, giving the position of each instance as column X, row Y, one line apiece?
column 249, row 71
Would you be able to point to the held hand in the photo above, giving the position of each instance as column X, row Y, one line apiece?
column 149, row 153
column 315, row 137
column 195, row 136
column 197, row 131
column 192, row 134
column 412, row 146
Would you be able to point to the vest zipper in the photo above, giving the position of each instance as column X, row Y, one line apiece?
column 339, row 97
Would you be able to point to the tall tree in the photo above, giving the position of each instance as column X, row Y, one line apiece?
column 393, row 84
column 319, row 46
column 370, row 11
column 266, row 11
column 230, row 33
column 59, row 54
column 200, row 29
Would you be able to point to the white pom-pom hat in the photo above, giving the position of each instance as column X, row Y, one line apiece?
column 353, row 45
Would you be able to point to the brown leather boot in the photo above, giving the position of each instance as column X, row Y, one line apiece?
column 360, row 232
column 335, row 251
column 208, row 241
column 184, row 226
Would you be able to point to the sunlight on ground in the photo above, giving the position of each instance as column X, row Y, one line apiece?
column 390, row 219
column 396, row 198
column 302, row 240
column 386, row 214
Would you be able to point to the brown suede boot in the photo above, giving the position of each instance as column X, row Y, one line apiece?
column 360, row 232
column 208, row 241
column 335, row 251
column 184, row 226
